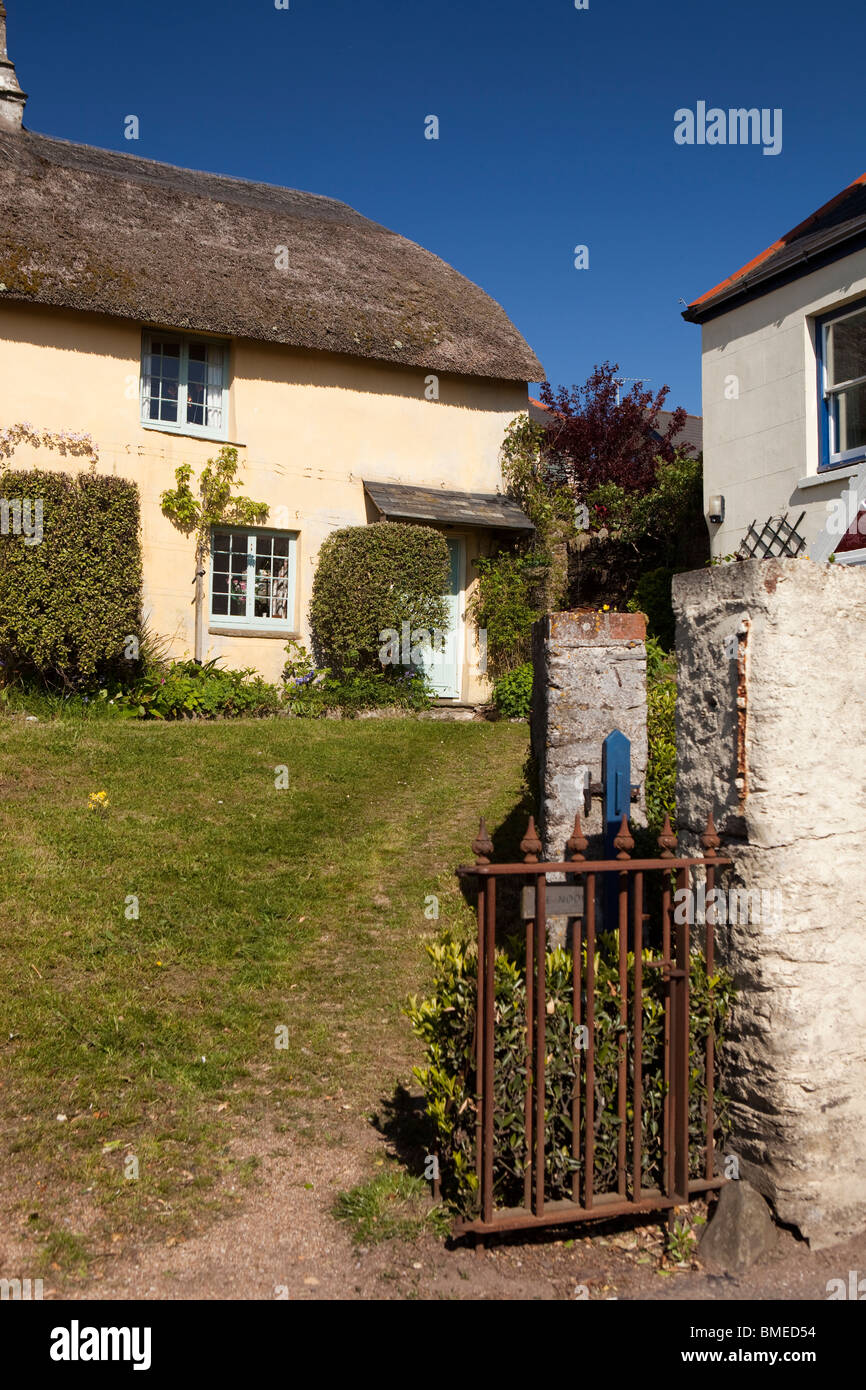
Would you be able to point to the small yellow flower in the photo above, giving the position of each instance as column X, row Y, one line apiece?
column 98, row 801
column 606, row 608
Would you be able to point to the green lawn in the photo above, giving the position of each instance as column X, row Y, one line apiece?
column 258, row 908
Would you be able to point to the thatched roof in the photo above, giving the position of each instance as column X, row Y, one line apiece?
column 111, row 233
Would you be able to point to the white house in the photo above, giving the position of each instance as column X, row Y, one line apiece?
column 784, row 386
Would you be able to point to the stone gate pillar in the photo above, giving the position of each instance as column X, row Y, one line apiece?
column 771, row 734
column 590, row 678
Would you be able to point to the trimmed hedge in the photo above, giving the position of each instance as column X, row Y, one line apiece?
column 371, row 579
column 69, row 603
column 445, row 1023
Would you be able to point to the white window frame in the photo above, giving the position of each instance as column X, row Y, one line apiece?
column 183, row 426
column 249, row 622
column 834, row 456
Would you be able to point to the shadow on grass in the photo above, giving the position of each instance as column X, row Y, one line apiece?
column 506, row 837
column 404, row 1122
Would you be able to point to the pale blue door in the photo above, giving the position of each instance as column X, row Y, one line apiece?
column 443, row 664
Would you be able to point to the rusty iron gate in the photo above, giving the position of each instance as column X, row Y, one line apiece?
column 631, row 878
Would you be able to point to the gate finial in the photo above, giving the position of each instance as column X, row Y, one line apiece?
column 578, row 843
column 667, row 840
column 482, row 845
column 530, row 844
column 710, row 839
column 623, row 840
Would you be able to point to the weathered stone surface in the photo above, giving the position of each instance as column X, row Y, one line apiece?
column 741, row 1230
column 461, row 713
column 771, row 734
column 590, row 678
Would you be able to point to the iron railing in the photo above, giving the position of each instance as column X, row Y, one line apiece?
column 676, row 872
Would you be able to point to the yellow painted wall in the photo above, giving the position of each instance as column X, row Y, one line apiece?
column 309, row 427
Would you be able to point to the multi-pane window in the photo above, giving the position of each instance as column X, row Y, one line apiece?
column 253, row 578
column 184, row 384
column 843, row 375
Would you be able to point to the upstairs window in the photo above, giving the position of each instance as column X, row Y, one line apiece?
column 253, row 579
column 842, row 374
column 184, row 385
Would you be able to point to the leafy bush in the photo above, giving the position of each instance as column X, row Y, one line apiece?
column 312, row 691
column 445, row 1023
column 661, row 737
column 504, row 604
column 512, row 693
column 187, row 690
column 653, row 596
column 69, row 603
column 633, row 533
column 373, row 579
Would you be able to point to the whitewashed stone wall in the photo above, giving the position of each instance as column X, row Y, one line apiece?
column 771, row 732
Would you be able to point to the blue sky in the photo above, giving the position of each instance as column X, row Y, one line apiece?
column 556, row 130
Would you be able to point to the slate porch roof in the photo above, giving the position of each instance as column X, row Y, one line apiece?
column 397, row 502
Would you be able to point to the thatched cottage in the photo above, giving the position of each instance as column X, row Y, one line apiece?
column 166, row 312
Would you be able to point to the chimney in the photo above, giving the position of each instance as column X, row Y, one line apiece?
column 12, row 98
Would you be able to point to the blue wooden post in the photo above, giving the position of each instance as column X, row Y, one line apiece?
column 616, row 784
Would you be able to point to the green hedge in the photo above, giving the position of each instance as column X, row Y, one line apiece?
column 69, row 603
column 445, row 1023
column 373, row 579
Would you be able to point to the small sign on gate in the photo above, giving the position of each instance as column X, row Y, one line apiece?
column 561, row 900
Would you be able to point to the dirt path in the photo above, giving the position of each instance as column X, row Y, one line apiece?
column 284, row 1243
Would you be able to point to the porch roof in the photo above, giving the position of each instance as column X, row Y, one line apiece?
column 397, row 502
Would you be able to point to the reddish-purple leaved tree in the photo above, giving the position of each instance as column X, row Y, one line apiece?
column 595, row 438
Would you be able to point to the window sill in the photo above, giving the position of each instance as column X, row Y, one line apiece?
column 284, row 634
column 191, row 434
column 829, row 475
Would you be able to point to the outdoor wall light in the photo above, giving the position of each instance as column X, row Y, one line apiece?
column 716, row 511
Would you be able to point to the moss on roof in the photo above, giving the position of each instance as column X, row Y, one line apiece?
column 111, row 233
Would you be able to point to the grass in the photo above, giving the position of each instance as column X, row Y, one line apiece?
column 208, row 947
column 391, row 1206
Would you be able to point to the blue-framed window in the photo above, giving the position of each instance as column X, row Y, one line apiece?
column 841, row 343
column 253, row 578
column 184, row 384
